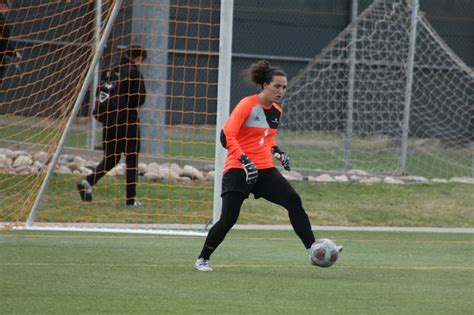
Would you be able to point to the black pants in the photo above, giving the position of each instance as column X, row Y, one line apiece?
column 2, row 70
column 117, row 140
column 270, row 185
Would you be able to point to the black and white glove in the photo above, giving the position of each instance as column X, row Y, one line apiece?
column 282, row 157
column 251, row 171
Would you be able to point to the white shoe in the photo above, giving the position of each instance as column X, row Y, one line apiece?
column 202, row 264
column 135, row 204
column 339, row 249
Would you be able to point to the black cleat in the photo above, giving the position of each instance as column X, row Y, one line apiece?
column 85, row 191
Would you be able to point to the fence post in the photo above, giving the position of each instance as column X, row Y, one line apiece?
column 408, row 87
column 347, row 146
column 150, row 27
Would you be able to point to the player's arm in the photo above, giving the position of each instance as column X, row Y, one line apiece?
column 137, row 86
column 229, row 139
column 232, row 127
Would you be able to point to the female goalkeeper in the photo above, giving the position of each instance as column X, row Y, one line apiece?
column 249, row 137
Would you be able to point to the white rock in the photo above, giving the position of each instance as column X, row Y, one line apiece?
column 151, row 176
column 80, row 162
column 85, row 171
column 91, row 164
column 72, row 166
column 185, row 180
column 142, row 168
column 118, row 170
column 439, row 180
column 341, row 178
column 41, row 156
column 8, row 153
column 15, row 154
column 65, row 158
column 462, row 180
column 323, row 178
column 357, row 172
column 413, row 179
column 22, row 160
column 192, row 173
column 356, row 178
column 5, row 161
column 210, row 176
column 62, row 169
column 208, row 168
column 174, row 167
column 168, row 174
column 292, row 175
column 22, row 169
column 153, row 166
column 38, row 165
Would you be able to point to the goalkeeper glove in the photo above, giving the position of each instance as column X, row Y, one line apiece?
column 251, row 172
column 282, row 157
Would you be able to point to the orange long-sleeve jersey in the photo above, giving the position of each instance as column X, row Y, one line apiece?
column 251, row 130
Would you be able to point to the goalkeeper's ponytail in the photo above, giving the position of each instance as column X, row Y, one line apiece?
column 261, row 72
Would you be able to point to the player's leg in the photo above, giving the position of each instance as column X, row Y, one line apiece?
column 110, row 159
column 234, row 191
column 275, row 188
column 231, row 204
column 131, row 160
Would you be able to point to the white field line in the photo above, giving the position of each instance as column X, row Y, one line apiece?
column 198, row 229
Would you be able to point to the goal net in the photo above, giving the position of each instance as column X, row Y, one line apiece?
column 361, row 105
column 57, row 42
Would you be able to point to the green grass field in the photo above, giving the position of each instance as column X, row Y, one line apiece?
column 254, row 273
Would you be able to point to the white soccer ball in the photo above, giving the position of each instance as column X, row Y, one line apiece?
column 323, row 253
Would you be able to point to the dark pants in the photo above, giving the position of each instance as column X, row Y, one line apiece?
column 2, row 70
column 117, row 140
column 270, row 185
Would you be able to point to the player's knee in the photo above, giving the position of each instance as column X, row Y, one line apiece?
column 293, row 202
column 228, row 223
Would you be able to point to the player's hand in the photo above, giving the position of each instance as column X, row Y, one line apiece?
column 251, row 171
column 282, row 157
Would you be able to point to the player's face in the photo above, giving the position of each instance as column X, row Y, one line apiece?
column 275, row 90
column 138, row 61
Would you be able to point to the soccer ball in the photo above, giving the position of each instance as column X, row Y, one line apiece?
column 323, row 253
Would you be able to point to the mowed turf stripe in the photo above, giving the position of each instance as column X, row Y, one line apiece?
column 339, row 239
column 253, row 266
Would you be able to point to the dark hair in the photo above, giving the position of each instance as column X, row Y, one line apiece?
column 135, row 51
column 261, row 72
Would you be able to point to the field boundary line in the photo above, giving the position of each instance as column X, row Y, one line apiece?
column 110, row 227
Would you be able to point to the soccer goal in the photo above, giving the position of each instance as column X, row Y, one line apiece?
column 50, row 141
column 386, row 97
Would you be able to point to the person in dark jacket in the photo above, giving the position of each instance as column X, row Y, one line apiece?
column 6, row 48
column 122, row 133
